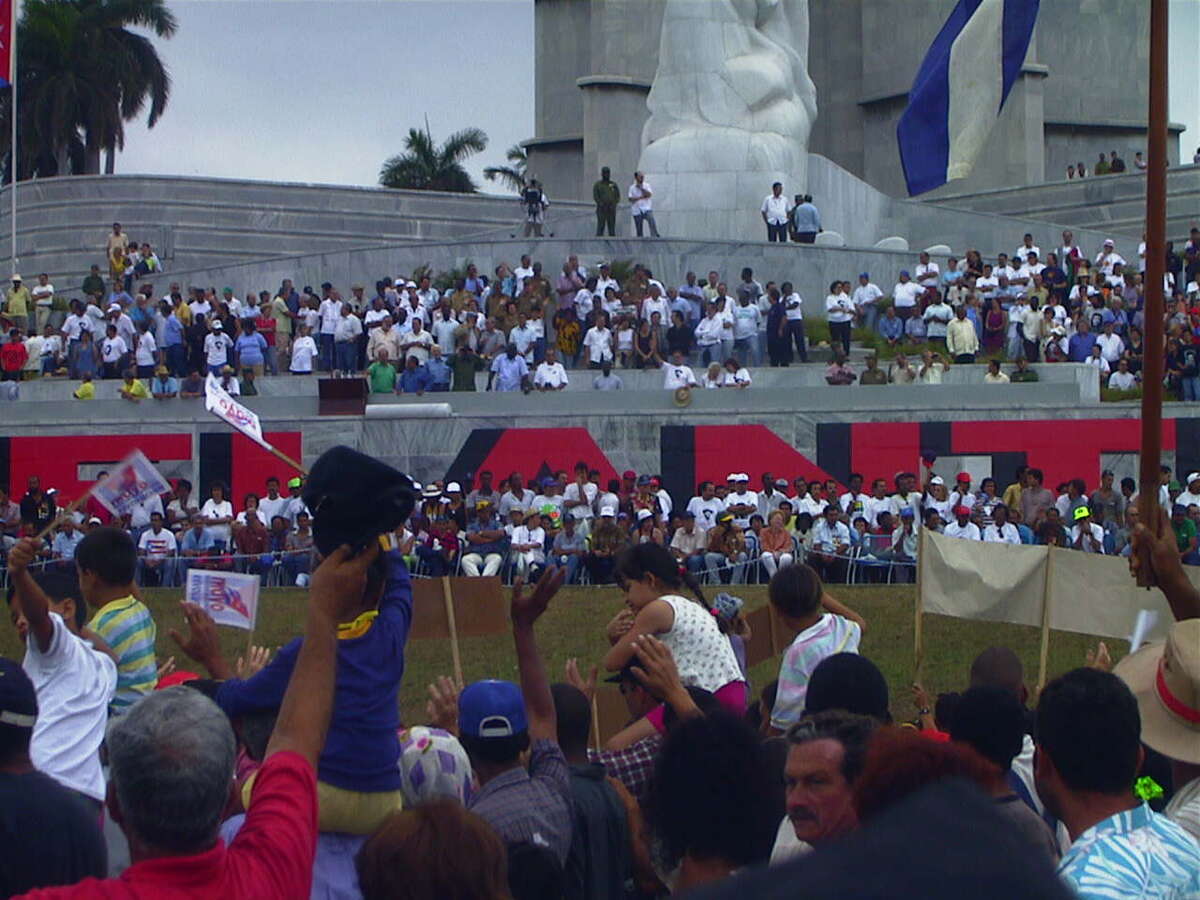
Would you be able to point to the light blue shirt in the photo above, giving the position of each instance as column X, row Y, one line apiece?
column 509, row 372
column 806, row 218
column 1137, row 854
column 192, row 541
column 64, row 545
column 439, row 372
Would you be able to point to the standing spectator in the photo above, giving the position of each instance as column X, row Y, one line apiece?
column 806, row 220
column 866, row 298
column 962, row 341
column 37, row 506
column 1088, row 754
column 606, row 195
column 793, row 305
column 535, row 203
column 775, row 214
column 904, row 296
column 640, row 195
column 839, row 311
column 18, row 304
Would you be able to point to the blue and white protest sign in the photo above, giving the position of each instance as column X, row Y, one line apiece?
column 231, row 598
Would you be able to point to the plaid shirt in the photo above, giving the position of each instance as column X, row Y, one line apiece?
column 633, row 766
column 531, row 806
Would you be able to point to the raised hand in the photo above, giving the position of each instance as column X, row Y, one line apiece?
column 253, row 662
column 586, row 685
column 526, row 609
column 442, row 706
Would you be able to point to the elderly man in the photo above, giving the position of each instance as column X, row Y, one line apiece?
column 384, row 337
column 550, row 374
column 171, row 759
column 509, row 371
column 826, row 754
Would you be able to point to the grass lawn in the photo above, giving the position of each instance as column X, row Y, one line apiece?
column 574, row 626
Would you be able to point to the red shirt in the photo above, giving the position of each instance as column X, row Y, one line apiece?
column 13, row 356
column 271, row 857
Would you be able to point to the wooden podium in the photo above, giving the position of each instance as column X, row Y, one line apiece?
column 342, row 396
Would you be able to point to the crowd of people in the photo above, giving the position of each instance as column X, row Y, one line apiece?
column 528, row 329
column 728, row 532
column 295, row 777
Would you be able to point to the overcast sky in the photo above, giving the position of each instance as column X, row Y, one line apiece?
column 299, row 90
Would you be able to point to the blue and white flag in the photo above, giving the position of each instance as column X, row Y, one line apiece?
column 231, row 598
column 960, row 89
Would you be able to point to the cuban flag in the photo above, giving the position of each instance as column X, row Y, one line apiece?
column 960, row 89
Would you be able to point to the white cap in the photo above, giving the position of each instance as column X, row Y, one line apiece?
column 937, row 479
column 643, row 514
column 1108, row 242
column 732, row 476
column 116, row 306
column 1193, row 477
column 742, row 476
column 607, row 511
column 217, row 326
column 453, row 486
column 416, row 485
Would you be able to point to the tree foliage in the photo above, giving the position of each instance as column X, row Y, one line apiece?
column 424, row 166
column 513, row 175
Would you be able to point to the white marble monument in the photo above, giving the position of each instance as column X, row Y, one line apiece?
column 731, row 108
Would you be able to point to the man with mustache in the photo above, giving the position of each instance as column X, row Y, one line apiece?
column 825, row 756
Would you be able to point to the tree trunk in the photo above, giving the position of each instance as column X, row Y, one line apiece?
column 91, row 156
column 63, row 160
column 110, row 160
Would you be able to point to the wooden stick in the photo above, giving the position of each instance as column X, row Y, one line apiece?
column 454, row 652
column 918, row 618
column 287, row 459
column 595, row 723
column 1156, row 237
column 1047, row 601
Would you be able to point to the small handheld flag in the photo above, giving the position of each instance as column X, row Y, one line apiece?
column 217, row 400
column 960, row 89
column 230, row 598
column 132, row 482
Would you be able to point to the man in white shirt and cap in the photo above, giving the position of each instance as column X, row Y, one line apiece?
column 677, row 373
column 1108, row 257
column 962, row 526
column 741, row 502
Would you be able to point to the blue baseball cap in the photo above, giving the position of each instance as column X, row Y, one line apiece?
column 863, row 275
column 491, row 709
column 906, row 512
column 904, row 272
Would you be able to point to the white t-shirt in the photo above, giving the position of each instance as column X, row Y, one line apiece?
column 905, row 294
column 268, row 509
column 776, row 209
column 735, row 379
column 43, row 294
column 970, row 531
column 420, row 350
column 550, row 374
column 112, row 349
column 74, row 684
column 866, row 294
column 583, row 511
column 638, row 198
column 927, row 274
column 158, row 545
column 303, row 351
column 330, row 311
column 145, row 349
column 839, row 308
column 705, row 511
column 214, row 510
column 522, row 534
column 793, row 307
column 675, row 377
column 216, row 348
column 742, row 498
column 75, row 325
column 1122, row 381
column 1001, row 534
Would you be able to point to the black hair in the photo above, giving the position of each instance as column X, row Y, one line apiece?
column 534, row 873
column 1088, row 724
column 796, row 591
column 574, row 715
column 713, row 769
column 57, row 585
column 853, row 732
column 848, row 682
column 254, row 730
column 991, row 721
column 109, row 552
column 998, row 667
column 498, row 751
column 943, row 709
column 1128, row 482
column 638, row 561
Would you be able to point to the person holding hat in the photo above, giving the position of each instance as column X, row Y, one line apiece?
column 1085, row 534
column 51, row 835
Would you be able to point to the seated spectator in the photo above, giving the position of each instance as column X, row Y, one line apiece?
column 157, row 547
column 607, row 540
column 1085, row 534
column 1088, row 754
column 1122, row 379
column 872, row 374
column 901, row 371
column 486, row 541
column 200, row 549
column 133, row 389
column 1001, row 530
column 714, row 377
column 736, row 375
column 891, row 328
column 839, row 372
column 994, row 375
column 962, row 526
column 164, row 386
column 830, row 546
column 726, row 551
column 550, row 374
column 569, row 548
column 823, row 627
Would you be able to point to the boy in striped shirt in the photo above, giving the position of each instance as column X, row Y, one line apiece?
column 107, row 560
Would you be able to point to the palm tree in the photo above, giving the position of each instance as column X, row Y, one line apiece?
column 82, row 76
column 426, row 167
column 511, row 176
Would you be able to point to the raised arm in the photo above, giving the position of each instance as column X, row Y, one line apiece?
column 535, row 687
column 337, row 587
column 31, row 600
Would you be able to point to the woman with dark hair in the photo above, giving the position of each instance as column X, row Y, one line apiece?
column 995, row 326
column 436, row 849
column 714, row 802
column 645, row 347
column 651, row 579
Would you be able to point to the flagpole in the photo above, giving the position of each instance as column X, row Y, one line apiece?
column 1156, row 237
column 12, row 114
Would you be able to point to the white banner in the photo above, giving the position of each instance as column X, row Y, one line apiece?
column 130, row 484
column 1088, row 593
column 230, row 598
column 217, row 400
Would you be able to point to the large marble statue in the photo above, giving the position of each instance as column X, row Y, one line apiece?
column 731, row 107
